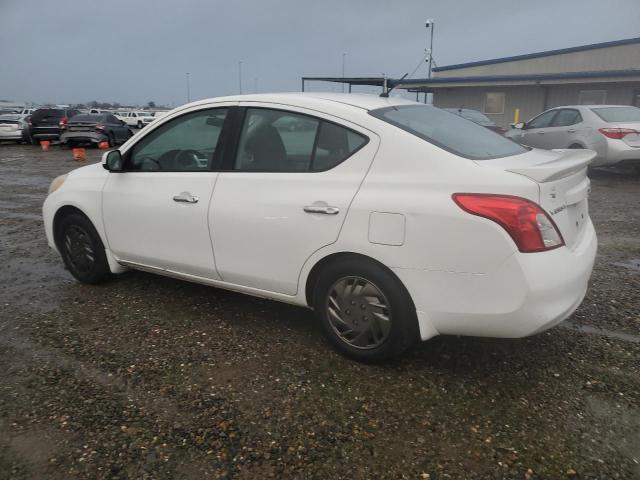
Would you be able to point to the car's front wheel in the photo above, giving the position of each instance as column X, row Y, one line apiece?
column 82, row 249
column 365, row 311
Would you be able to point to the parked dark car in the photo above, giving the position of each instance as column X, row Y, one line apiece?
column 477, row 117
column 95, row 128
column 48, row 123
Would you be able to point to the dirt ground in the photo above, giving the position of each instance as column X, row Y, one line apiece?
column 152, row 378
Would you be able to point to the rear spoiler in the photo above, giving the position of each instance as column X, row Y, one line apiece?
column 569, row 162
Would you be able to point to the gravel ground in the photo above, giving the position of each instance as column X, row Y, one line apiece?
column 150, row 377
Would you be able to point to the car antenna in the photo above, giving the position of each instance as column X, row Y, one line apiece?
column 385, row 94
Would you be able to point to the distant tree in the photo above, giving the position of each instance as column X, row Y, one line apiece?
column 116, row 105
column 94, row 104
column 151, row 104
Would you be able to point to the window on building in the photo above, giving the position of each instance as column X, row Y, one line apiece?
column 494, row 103
column 592, row 97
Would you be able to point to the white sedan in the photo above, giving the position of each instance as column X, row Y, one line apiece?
column 393, row 220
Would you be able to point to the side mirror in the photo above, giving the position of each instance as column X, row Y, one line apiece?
column 123, row 123
column 112, row 161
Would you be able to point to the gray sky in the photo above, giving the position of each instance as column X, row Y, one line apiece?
column 133, row 51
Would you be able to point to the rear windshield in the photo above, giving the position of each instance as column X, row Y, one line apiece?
column 87, row 118
column 449, row 131
column 618, row 114
column 46, row 113
column 473, row 115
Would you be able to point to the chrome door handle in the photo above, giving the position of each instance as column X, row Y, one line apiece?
column 185, row 197
column 325, row 209
column 540, row 133
column 571, row 130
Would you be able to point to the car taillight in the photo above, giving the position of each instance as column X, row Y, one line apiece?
column 525, row 221
column 99, row 126
column 63, row 122
column 616, row 133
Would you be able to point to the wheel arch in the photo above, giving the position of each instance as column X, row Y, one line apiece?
column 336, row 257
column 61, row 213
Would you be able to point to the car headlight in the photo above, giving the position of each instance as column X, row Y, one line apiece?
column 57, row 183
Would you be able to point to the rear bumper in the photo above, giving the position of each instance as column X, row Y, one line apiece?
column 618, row 152
column 527, row 294
column 17, row 135
column 93, row 137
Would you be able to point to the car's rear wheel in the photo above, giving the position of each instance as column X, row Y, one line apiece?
column 365, row 311
column 81, row 249
column 139, row 124
column 34, row 141
column 112, row 140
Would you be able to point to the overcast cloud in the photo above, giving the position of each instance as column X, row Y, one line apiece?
column 134, row 51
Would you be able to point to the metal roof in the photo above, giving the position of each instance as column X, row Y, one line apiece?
column 375, row 81
column 415, row 83
column 547, row 53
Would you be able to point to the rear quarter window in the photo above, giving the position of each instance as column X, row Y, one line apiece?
column 449, row 131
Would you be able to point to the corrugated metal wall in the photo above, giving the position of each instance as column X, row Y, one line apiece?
column 531, row 99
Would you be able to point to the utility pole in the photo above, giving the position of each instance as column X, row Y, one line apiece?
column 431, row 26
column 188, row 89
column 240, row 76
column 343, row 57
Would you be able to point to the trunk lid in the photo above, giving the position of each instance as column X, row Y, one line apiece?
column 563, row 184
column 81, row 126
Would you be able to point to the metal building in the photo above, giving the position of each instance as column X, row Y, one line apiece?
column 590, row 74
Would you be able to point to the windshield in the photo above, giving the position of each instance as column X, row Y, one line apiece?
column 449, row 131
column 618, row 114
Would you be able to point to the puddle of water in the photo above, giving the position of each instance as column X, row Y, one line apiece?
column 627, row 337
column 632, row 264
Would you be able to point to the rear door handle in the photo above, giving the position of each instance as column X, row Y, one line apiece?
column 185, row 197
column 540, row 133
column 571, row 130
column 324, row 209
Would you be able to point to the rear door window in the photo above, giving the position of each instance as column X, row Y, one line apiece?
column 449, row 131
column 282, row 141
column 566, row 117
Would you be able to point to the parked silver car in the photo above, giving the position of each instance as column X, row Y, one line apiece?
column 613, row 131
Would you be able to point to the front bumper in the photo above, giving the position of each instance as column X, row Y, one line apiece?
column 527, row 294
column 92, row 137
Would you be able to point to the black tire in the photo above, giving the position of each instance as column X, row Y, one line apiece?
column 71, row 144
column 112, row 140
column 34, row 141
column 576, row 146
column 139, row 124
column 403, row 331
column 75, row 235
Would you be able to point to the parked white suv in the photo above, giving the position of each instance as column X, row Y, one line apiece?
column 136, row 119
column 393, row 220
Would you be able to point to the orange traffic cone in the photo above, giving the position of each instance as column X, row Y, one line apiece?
column 44, row 144
column 79, row 154
column 103, row 145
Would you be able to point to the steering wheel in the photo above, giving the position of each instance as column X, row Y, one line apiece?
column 187, row 160
column 180, row 159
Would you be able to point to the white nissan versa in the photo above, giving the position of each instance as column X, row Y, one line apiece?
column 393, row 220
